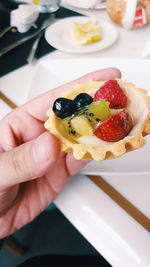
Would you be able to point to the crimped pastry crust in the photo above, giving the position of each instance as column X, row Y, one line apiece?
column 138, row 106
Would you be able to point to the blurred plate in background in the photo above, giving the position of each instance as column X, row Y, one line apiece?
column 58, row 35
column 86, row 4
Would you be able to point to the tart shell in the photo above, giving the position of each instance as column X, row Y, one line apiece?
column 138, row 105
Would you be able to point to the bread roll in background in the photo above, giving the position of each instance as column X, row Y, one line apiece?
column 134, row 12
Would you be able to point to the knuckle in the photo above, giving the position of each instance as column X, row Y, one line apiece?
column 21, row 164
column 16, row 164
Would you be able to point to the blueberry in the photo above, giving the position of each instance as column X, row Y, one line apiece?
column 64, row 107
column 82, row 100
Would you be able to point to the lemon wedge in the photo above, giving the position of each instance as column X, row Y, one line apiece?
column 86, row 33
column 86, row 27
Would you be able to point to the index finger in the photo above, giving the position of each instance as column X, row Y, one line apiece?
column 38, row 107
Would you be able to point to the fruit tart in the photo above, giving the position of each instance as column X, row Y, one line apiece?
column 100, row 119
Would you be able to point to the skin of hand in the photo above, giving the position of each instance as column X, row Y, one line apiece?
column 32, row 168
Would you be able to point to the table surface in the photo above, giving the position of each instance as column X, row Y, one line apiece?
column 128, row 45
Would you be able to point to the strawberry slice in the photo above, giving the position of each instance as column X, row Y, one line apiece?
column 111, row 92
column 115, row 128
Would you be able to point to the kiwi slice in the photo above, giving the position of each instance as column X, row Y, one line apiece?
column 97, row 111
column 84, row 121
column 68, row 127
column 82, row 125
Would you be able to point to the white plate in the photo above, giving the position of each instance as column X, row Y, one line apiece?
column 50, row 73
column 58, row 35
column 135, row 162
column 115, row 235
column 80, row 4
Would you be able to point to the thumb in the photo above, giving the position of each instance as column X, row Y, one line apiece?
column 29, row 161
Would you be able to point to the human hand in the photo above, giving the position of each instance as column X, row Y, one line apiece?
column 32, row 168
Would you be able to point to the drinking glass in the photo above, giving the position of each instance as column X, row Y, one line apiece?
column 47, row 5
